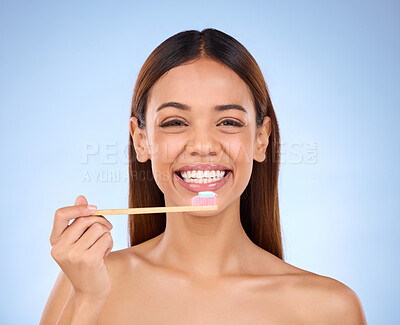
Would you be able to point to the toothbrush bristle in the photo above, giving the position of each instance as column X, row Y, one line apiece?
column 205, row 198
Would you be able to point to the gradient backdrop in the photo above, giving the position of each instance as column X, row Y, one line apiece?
column 67, row 72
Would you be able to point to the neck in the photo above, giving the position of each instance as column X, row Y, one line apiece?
column 204, row 246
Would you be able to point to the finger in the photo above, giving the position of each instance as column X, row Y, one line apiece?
column 101, row 246
column 80, row 226
column 108, row 251
column 93, row 233
column 81, row 200
column 64, row 215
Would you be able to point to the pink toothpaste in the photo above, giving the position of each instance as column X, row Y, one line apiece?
column 205, row 198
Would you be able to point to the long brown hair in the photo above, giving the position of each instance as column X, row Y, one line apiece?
column 259, row 204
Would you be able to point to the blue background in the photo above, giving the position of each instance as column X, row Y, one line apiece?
column 332, row 67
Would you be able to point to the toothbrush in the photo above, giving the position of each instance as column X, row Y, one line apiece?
column 205, row 201
column 205, row 198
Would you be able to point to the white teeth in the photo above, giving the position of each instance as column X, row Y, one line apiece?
column 202, row 177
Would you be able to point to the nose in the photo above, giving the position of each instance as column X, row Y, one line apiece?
column 203, row 143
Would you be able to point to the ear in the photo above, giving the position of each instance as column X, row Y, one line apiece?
column 139, row 140
column 262, row 140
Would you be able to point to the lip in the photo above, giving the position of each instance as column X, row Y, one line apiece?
column 194, row 187
column 208, row 166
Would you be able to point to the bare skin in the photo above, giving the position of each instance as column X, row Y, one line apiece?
column 203, row 269
column 267, row 291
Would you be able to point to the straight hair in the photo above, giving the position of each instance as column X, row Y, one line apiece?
column 259, row 203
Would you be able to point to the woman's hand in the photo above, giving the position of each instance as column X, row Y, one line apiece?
column 80, row 248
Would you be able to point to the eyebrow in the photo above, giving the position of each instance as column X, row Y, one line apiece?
column 218, row 108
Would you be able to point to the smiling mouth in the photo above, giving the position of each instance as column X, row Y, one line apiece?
column 206, row 177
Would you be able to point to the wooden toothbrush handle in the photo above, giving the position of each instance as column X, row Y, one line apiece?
column 155, row 210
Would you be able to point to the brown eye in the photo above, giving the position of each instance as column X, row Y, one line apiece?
column 181, row 123
column 232, row 123
column 172, row 123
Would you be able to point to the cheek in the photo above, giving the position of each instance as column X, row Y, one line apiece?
column 172, row 147
column 240, row 150
column 166, row 150
column 169, row 147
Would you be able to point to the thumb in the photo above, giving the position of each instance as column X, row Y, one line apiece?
column 81, row 200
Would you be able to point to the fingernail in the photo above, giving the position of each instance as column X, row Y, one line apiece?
column 92, row 207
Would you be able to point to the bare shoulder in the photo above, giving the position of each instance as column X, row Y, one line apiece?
column 121, row 262
column 324, row 300
column 128, row 256
column 312, row 298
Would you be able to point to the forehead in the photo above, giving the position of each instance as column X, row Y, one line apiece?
column 203, row 83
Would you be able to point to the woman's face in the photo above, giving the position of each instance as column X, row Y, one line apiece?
column 200, row 134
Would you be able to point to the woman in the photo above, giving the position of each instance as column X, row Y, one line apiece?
column 201, row 119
